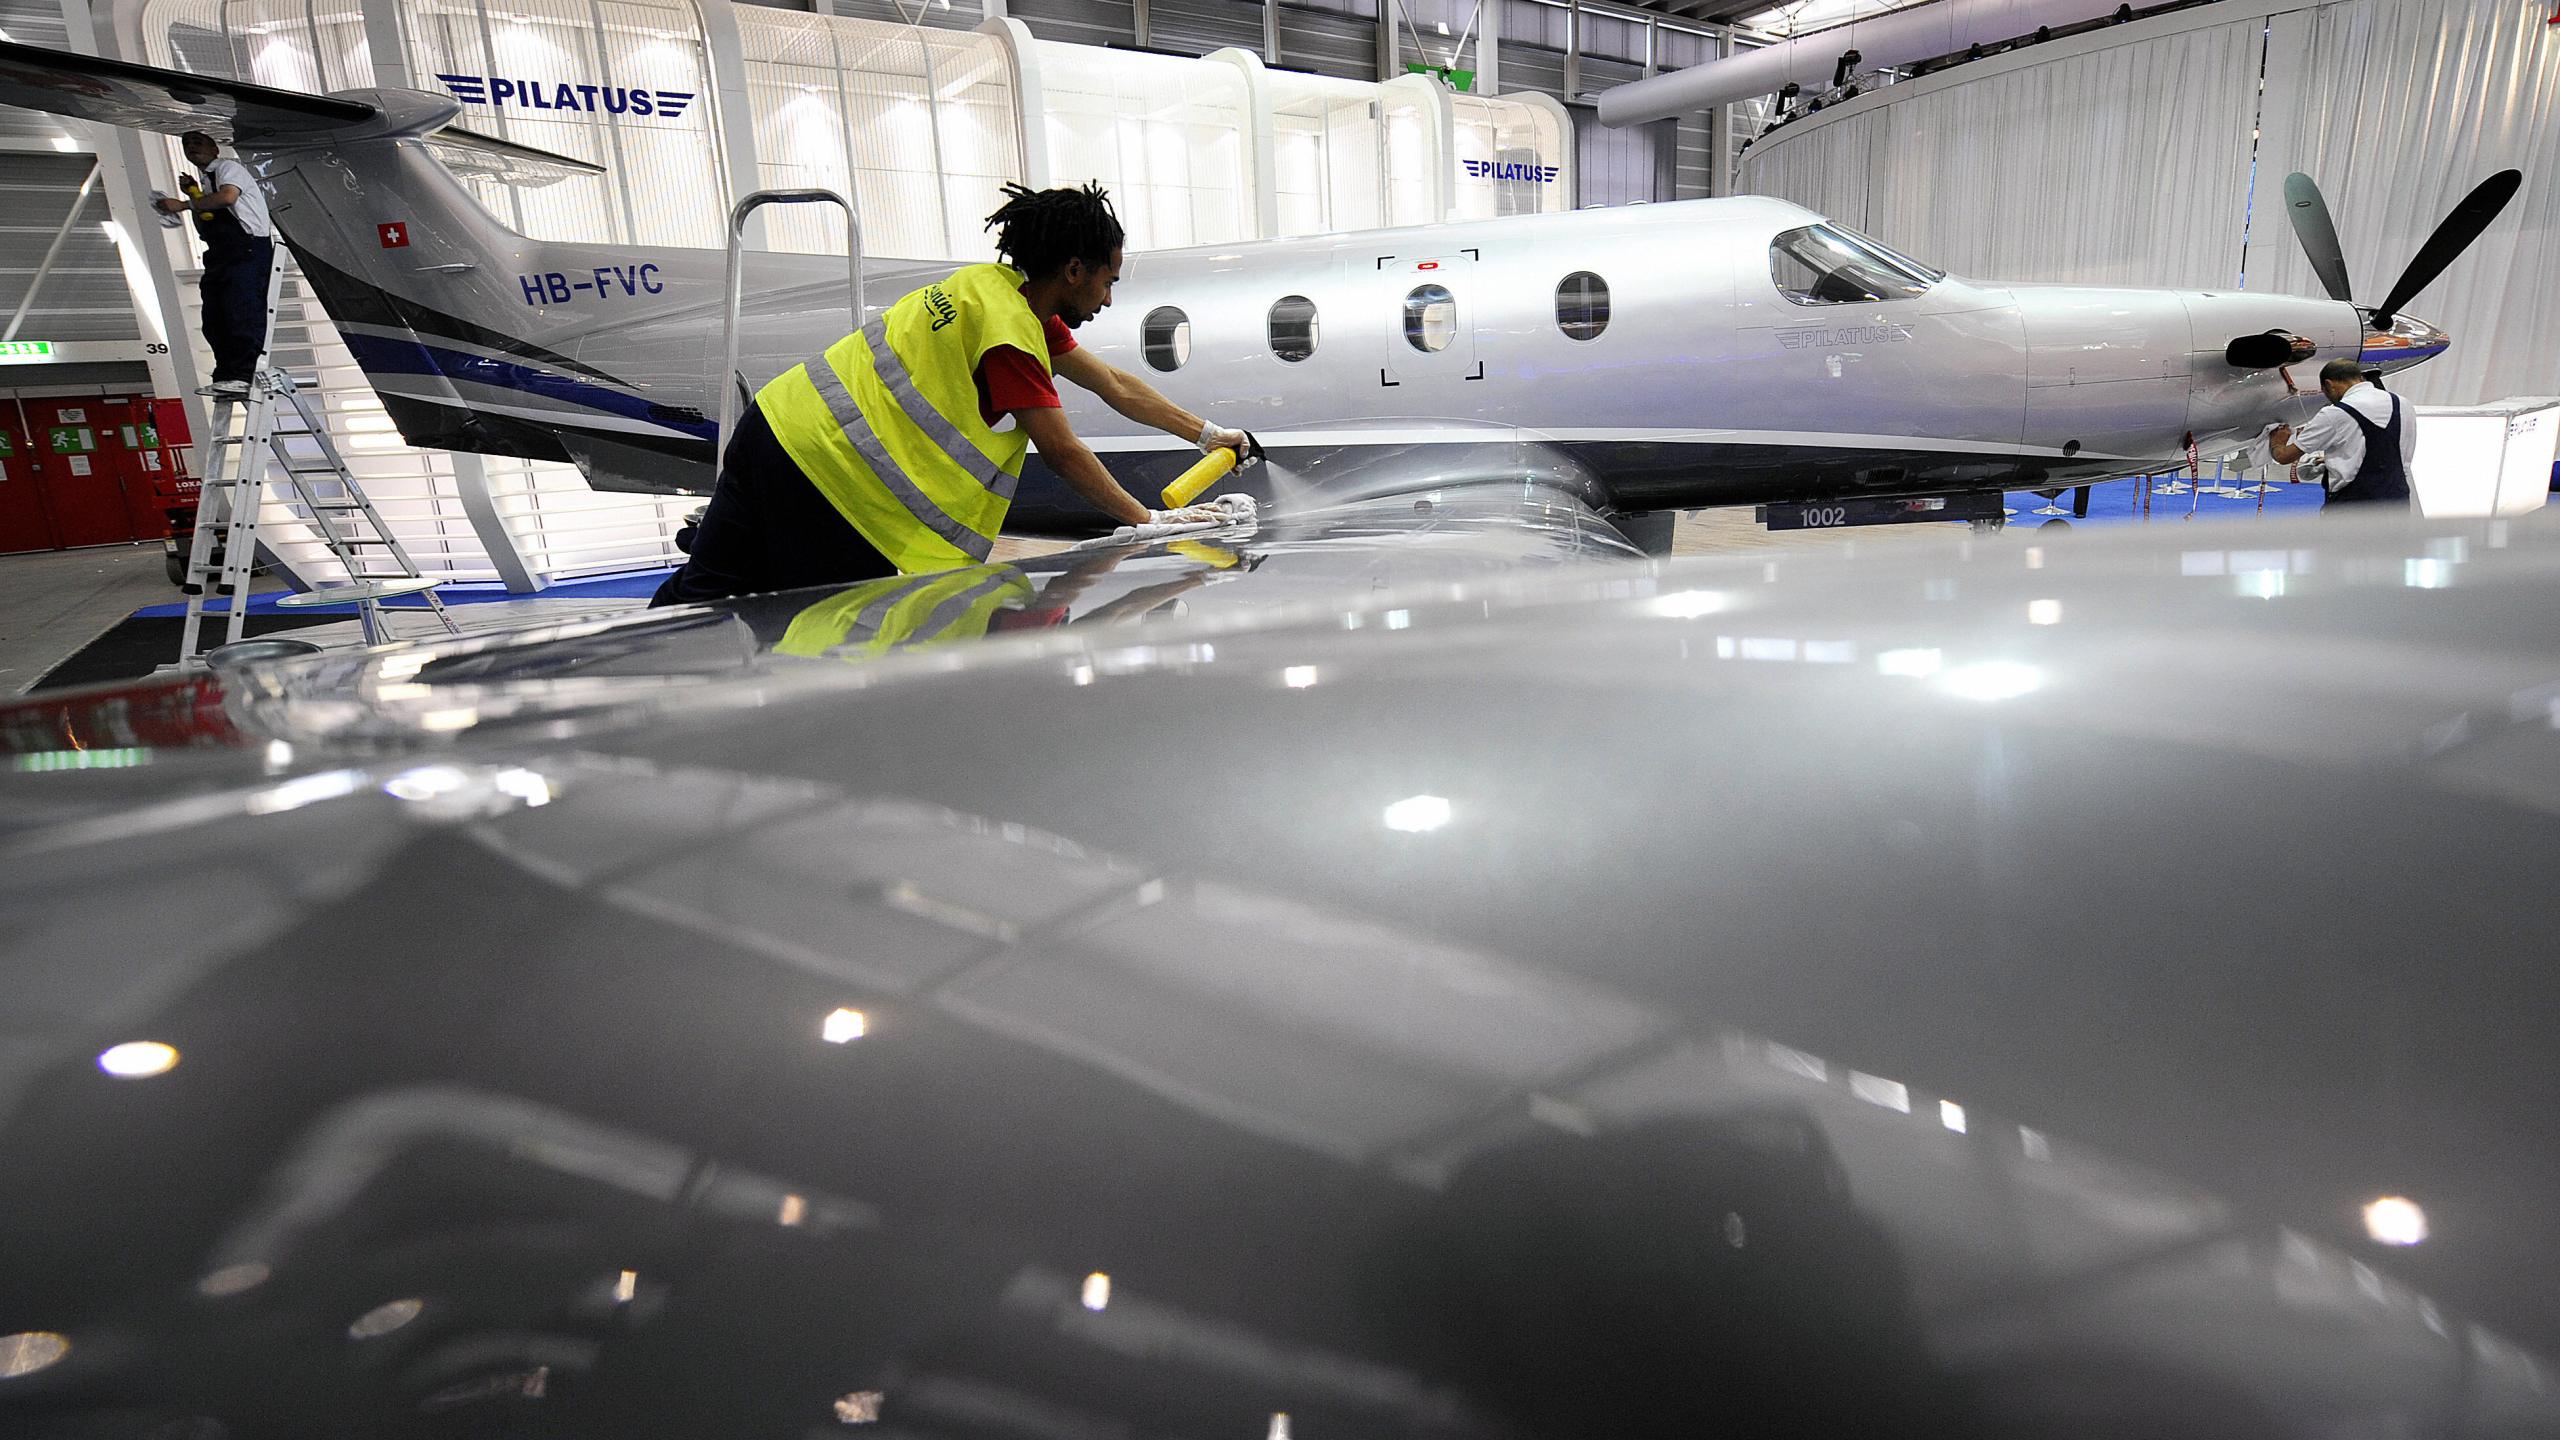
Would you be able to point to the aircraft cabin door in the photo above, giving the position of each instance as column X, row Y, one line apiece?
column 1432, row 303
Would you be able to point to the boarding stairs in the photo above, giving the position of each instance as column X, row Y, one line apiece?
column 278, row 423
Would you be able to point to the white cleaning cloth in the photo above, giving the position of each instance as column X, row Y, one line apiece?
column 1228, row 509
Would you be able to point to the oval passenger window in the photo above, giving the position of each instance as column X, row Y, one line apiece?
column 1430, row 318
column 1165, row 338
column 1293, row 328
column 1582, row 305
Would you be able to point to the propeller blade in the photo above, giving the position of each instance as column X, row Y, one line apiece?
column 2475, row 214
column 2319, row 237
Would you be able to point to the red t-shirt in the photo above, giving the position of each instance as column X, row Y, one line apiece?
column 1009, row 380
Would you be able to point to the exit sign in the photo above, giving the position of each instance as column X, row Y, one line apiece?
column 26, row 349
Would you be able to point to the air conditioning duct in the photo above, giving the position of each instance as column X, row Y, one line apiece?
column 1902, row 37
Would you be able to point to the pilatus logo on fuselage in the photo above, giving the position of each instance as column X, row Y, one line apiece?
column 503, row 91
column 1812, row 335
column 1512, row 170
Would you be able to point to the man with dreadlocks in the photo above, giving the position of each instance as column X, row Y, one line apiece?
column 882, row 455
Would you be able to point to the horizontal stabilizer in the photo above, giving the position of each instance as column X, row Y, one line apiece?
column 140, row 97
column 486, row 157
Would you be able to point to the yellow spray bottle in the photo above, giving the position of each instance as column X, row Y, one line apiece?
column 1186, row 487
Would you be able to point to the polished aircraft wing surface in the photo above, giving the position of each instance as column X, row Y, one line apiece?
column 1803, row 995
column 1288, row 563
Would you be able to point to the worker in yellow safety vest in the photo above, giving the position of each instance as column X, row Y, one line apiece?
column 882, row 456
column 902, row 612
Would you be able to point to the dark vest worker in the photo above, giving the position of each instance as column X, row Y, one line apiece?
column 2365, row 436
column 882, row 456
column 239, row 249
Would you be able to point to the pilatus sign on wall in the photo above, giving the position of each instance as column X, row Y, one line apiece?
column 504, row 92
column 1512, row 170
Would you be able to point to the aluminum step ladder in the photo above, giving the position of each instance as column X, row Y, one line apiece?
column 244, row 438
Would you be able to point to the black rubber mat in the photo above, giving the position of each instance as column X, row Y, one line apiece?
column 141, row 644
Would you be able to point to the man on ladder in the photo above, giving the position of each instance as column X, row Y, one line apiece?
column 239, row 251
column 242, row 281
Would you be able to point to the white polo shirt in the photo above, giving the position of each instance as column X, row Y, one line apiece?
column 251, row 208
column 2341, row 441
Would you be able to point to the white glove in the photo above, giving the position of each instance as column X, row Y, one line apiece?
column 1215, row 437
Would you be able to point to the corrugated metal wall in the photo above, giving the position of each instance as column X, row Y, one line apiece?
column 936, row 14
column 1078, row 22
column 1328, row 42
column 1196, row 27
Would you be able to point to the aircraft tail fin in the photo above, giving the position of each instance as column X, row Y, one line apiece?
column 476, row 338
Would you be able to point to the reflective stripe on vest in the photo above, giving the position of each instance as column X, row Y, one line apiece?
column 886, row 422
column 905, row 611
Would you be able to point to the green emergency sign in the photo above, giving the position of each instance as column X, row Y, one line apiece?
column 22, row 348
column 1455, row 79
column 73, row 440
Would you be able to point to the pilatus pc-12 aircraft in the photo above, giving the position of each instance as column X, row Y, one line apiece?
column 1673, row 356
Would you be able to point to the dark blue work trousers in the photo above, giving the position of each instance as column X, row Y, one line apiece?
column 235, row 301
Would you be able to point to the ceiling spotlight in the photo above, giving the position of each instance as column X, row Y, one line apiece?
column 29, row 1351
column 2394, row 1220
column 138, row 1059
column 1417, row 813
column 384, row 1318
column 842, row 1026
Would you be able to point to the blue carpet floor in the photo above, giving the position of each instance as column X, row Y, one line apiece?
column 2119, row 502
column 636, row 585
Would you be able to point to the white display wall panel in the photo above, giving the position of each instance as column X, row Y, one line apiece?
column 648, row 122
column 1512, row 156
column 1171, row 139
column 922, row 126
column 853, row 105
column 1329, row 153
column 2490, row 459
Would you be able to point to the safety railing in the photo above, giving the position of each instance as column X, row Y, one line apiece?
column 731, row 382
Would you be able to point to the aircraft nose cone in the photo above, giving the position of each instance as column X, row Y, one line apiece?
column 2407, row 342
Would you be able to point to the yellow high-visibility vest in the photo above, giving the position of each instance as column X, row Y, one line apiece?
column 904, row 611
column 886, row 422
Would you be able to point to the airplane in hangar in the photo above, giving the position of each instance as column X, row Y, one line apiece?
column 1640, row 360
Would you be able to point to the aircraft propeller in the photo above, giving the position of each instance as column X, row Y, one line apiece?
column 2463, row 225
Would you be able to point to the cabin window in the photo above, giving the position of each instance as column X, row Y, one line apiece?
column 1293, row 328
column 1165, row 338
column 1582, row 305
column 1829, row 265
column 1430, row 318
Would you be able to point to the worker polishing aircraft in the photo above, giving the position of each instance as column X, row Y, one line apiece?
column 1660, row 357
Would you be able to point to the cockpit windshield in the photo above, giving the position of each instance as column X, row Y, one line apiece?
column 1830, row 265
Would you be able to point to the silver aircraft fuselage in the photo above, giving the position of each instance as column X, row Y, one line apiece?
column 1708, row 384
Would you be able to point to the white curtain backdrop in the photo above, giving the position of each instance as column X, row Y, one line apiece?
column 2411, row 105
column 2131, row 164
column 2124, row 166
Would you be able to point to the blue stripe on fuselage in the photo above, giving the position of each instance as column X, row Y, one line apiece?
column 377, row 354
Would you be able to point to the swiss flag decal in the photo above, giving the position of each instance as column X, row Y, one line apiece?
column 395, row 236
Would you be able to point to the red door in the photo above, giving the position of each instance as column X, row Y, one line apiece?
column 81, row 487
column 129, row 446
column 24, row 525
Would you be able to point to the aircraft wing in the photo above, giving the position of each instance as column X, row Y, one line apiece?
column 141, row 97
column 613, row 671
